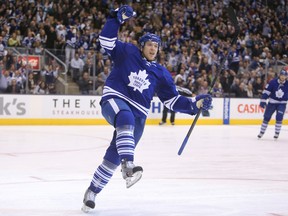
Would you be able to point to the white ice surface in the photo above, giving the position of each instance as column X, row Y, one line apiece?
column 223, row 171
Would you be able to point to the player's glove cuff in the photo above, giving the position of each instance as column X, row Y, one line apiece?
column 203, row 101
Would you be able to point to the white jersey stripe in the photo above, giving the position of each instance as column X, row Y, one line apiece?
column 170, row 103
column 114, row 105
column 109, row 91
column 276, row 102
column 107, row 39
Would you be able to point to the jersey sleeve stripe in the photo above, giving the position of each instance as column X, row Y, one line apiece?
column 266, row 92
column 170, row 103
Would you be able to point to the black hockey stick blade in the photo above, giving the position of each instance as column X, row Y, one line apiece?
column 233, row 19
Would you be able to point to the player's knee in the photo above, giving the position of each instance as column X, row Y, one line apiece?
column 279, row 117
column 125, row 117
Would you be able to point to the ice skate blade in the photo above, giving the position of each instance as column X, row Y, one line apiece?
column 86, row 209
column 130, row 181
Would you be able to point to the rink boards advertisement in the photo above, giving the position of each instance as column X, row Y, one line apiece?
column 85, row 110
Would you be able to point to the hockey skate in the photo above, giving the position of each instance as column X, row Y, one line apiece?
column 260, row 135
column 276, row 135
column 88, row 201
column 131, row 173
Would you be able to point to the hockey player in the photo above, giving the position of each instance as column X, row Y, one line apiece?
column 127, row 94
column 277, row 92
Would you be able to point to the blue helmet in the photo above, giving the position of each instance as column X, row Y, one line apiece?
column 284, row 71
column 150, row 37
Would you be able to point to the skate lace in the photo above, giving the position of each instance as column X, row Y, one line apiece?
column 127, row 169
column 130, row 165
column 90, row 195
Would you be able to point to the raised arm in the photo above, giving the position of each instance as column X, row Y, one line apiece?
column 108, row 35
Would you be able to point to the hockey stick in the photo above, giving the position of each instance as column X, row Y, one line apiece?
column 234, row 21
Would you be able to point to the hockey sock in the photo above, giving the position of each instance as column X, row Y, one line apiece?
column 264, row 127
column 125, row 142
column 278, row 126
column 102, row 176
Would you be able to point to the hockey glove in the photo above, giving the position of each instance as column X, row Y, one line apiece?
column 203, row 101
column 263, row 104
column 123, row 13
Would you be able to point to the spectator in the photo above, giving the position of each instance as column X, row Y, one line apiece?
column 187, row 28
column 173, row 59
column 31, row 82
column 181, row 77
column 29, row 40
column 71, row 44
column 20, row 79
column 52, row 40
column 50, row 75
column 217, row 90
column 41, row 37
column 88, row 67
column 77, row 65
column 204, row 65
column 41, row 88
column 14, row 41
column 38, row 47
column 14, row 87
column 250, row 91
column 3, row 79
column 258, row 87
column 85, row 84
column 101, row 79
column 61, row 36
column 3, row 51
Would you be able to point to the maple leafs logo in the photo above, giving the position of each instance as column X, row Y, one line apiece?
column 139, row 81
column 279, row 93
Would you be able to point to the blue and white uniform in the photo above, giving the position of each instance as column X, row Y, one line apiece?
column 127, row 94
column 276, row 92
column 71, row 45
column 277, row 95
column 136, row 80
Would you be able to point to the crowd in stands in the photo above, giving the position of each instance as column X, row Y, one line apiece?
column 196, row 35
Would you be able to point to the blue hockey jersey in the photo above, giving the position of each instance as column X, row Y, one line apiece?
column 136, row 80
column 276, row 92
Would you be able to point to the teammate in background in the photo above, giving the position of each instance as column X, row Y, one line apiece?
column 125, row 103
column 277, row 92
